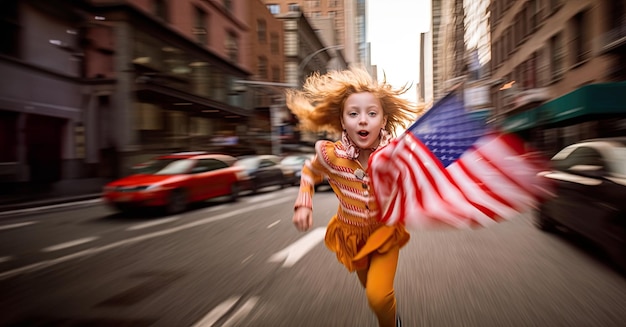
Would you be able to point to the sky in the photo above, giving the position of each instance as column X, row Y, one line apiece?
column 393, row 29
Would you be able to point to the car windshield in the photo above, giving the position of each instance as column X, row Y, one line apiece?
column 152, row 166
column 181, row 166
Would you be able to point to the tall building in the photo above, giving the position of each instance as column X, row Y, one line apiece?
column 559, row 69
column 348, row 23
column 448, row 49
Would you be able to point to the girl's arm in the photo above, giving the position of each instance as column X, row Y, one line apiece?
column 312, row 173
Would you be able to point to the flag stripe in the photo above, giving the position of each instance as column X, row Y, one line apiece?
column 447, row 169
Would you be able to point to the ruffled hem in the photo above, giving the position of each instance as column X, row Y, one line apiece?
column 353, row 244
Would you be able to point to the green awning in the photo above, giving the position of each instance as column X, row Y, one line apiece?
column 522, row 121
column 602, row 99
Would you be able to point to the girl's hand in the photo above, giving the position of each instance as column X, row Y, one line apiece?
column 303, row 218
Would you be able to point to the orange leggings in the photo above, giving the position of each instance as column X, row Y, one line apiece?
column 378, row 282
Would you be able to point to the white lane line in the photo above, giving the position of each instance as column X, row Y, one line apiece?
column 5, row 259
column 153, row 223
column 298, row 249
column 247, row 258
column 17, row 225
column 273, row 224
column 48, row 263
column 241, row 313
column 61, row 205
column 261, row 198
column 69, row 244
column 217, row 313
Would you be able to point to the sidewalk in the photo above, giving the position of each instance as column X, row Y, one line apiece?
column 31, row 196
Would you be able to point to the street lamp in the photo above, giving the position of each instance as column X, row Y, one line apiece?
column 278, row 101
column 308, row 58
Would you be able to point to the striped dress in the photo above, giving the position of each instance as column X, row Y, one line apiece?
column 354, row 231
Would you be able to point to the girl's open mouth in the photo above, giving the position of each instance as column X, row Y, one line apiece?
column 363, row 133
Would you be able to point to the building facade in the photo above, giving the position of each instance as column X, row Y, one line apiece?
column 99, row 86
column 559, row 69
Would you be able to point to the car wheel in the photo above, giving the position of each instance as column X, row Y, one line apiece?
column 543, row 221
column 255, row 188
column 177, row 202
column 234, row 192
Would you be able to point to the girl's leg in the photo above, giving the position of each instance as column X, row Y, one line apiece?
column 379, row 285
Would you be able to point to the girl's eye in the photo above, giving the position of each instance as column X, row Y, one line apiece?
column 373, row 113
column 352, row 114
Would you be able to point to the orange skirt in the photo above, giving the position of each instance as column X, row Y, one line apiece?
column 353, row 244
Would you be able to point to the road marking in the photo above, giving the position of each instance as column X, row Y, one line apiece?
column 246, row 259
column 298, row 249
column 5, row 259
column 61, row 205
column 215, row 314
column 153, row 223
column 241, row 313
column 69, row 244
column 17, row 225
column 269, row 196
column 273, row 224
column 52, row 262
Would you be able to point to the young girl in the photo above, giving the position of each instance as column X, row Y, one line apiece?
column 366, row 113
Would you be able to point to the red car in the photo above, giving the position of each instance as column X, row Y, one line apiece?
column 173, row 183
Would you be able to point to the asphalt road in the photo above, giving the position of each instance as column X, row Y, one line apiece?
column 243, row 264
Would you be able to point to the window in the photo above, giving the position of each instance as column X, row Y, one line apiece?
column 160, row 9
column 205, row 165
column 275, row 74
column 262, row 68
column 274, row 8
column 261, row 31
column 232, row 47
column 294, row 7
column 554, row 5
column 9, row 29
column 333, row 3
column 579, row 156
column 313, row 3
column 200, row 26
column 580, row 43
column 556, row 57
column 274, row 43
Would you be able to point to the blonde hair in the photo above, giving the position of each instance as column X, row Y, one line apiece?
column 319, row 104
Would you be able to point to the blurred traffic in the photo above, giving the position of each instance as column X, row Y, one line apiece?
column 589, row 181
column 173, row 181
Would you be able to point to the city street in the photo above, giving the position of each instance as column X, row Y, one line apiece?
column 244, row 264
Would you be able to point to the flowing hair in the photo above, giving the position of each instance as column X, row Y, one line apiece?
column 319, row 104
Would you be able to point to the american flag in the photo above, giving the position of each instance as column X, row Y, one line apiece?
column 450, row 169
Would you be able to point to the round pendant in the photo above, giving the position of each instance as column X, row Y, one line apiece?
column 359, row 174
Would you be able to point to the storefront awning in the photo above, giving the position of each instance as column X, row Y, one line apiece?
column 589, row 101
column 522, row 121
column 586, row 103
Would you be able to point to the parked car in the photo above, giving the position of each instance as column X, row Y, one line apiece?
column 177, row 183
column 589, row 180
column 264, row 170
column 295, row 162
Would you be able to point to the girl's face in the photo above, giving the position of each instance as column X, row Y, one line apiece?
column 363, row 118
